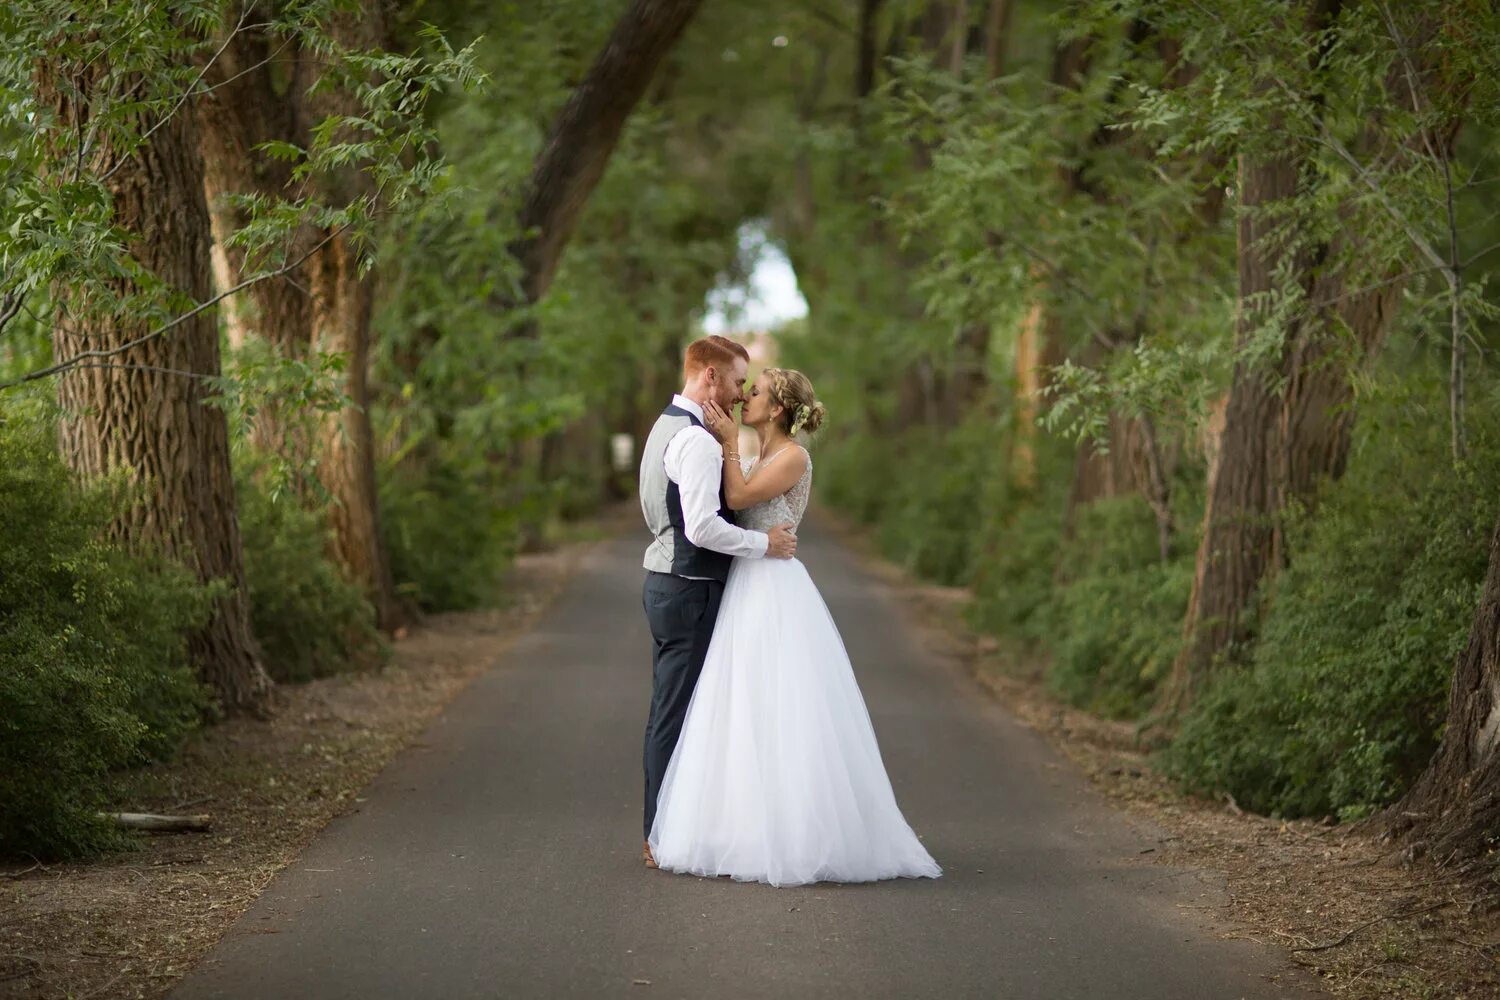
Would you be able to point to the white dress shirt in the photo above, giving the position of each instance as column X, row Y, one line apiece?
column 695, row 462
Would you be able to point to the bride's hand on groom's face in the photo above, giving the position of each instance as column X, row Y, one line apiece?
column 721, row 423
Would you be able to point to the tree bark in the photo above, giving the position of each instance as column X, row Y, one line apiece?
column 997, row 35
column 1277, row 449
column 585, row 134
column 970, row 380
column 143, row 410
column 1100, row 473
column 864, row 71
column 242, row 109
column 1236, row 546
column 342, row 304
column 1453, row 809
column 324, row 305
column 342, row 308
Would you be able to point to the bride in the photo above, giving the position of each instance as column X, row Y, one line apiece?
column 777, row 777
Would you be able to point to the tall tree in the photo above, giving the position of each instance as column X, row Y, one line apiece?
column 342, row 297
column 1287, row 424
column 324, row 304
column 134, row 400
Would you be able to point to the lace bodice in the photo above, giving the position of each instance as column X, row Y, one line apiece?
column 785, row 509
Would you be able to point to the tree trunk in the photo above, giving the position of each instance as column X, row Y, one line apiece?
column 864, row 71
column 242, row 109
column 324, row 305
column 1236, row 546
column 997, row 35
column 143, row 410
column 1036, row 338
column 1317, row 408
column 1454, row 807
column 1276, row 450
column 585, row 133
column 342, row 303
column 1276, row 447
column 970, row 379
column 1098, row 473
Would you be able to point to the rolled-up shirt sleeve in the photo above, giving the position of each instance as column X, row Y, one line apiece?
column 695, row 463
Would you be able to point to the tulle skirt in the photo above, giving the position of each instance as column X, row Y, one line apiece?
column 777, row 777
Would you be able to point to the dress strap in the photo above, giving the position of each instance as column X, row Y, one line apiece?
column 762, row 463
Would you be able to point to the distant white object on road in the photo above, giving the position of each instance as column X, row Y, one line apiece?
column 622, row 452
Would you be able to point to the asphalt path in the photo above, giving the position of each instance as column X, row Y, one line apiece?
column 499, row 856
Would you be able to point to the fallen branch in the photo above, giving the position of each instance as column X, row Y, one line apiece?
column 25, row 871
column 162, row 824
column 1370, row 923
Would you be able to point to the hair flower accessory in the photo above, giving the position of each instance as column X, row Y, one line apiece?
column 803, row 412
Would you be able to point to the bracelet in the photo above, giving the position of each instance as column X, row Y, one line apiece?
column 733, row 456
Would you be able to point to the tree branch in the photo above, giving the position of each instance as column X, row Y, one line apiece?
column 167, row 327
column 187, row 93
column 585, row 133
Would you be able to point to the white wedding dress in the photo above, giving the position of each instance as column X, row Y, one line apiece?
column 777, row 777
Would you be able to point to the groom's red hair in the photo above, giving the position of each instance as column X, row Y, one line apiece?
column 712, row 351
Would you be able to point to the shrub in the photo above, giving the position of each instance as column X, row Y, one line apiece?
column 921, row 491
column 931, row 520
column 310, row 620
column 1341, row 706
column 841, row 474
column 93, row 665
column 448, row 535
column 1018, row 540
column 1117, row 620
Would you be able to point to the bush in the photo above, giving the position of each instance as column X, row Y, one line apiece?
column 1117, row 620
column 841, row 475
column 1019, row 537
column 927, row 514
column 448, row 536
column 310, row 620
column 931, row 522
column 1342, row 704
column 93, row 665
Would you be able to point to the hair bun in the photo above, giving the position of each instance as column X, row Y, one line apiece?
column 815, row 414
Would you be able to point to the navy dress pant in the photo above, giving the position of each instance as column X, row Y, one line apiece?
column 681, row 613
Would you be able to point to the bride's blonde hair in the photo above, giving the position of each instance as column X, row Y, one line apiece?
column 801, row 410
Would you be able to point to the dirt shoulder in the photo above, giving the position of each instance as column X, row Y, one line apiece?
column 1342, row 904
column 132, row 925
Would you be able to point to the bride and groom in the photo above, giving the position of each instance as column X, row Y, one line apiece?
column 761, row 762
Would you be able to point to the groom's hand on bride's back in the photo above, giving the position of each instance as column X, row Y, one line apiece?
column 783, row 544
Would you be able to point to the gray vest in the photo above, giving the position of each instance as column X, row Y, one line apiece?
column 670, row 551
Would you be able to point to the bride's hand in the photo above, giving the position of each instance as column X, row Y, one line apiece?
column 720, row 423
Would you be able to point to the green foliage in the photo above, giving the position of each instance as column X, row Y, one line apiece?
column 1342, row 705
column 1018, row 541
column 93, row 667
column 134, row 70
column 492, row 428
column 310, row 621
column 448, row 538
column 928, row 525
column 918, row 490
column 1117, row 621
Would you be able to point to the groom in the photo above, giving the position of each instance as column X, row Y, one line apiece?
column 694, row 539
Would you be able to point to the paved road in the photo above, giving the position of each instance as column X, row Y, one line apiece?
column 499, row 857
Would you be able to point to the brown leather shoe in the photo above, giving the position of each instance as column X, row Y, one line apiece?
column 646, row 854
